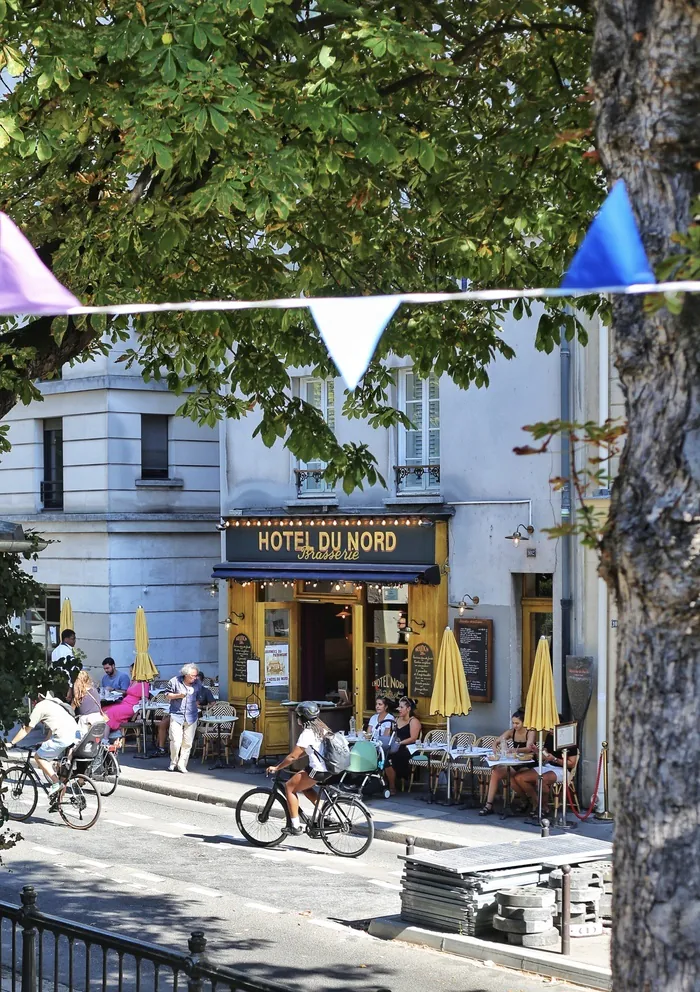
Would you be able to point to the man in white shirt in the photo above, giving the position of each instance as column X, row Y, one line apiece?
column 64, row 732
column 64, row 651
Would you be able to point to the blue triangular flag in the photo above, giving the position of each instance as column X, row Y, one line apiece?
column 351, row 328
column 612, row 253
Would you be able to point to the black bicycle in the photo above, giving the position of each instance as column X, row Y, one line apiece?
column 340, row 820
column 105, row 769
column 77, row 802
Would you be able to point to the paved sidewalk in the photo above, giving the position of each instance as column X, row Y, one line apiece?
column 433, row 825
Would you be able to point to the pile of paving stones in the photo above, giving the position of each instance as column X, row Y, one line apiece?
column 586, row 894
column 605, row 870
column 525, row 916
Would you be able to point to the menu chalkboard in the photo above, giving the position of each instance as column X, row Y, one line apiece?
column 422, row 670
column 475, row 641
column 242, row 651
column 579, row 684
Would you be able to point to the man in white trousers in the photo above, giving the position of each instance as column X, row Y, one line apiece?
column 184, row 712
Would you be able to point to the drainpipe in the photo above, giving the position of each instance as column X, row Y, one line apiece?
column 602, row 679
column 566, row 516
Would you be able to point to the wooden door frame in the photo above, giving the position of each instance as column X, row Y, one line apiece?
column 530, row 605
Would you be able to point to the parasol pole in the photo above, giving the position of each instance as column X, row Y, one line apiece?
column 447, row 766
column 539, row 777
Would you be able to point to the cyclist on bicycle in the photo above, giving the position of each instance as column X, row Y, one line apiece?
column 309, row 742
column 64, row 731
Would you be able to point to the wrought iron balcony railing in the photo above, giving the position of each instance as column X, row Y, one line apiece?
column 416, row 477
column 305, row 475
column 52, row 494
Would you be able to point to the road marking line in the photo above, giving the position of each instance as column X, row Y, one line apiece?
column 161, row 833
column 182, row 826
column 60, row 864
column 83, row 871
column 328, row 871
column 144, row 874
column 262, row 907
column 113, row 878
column 118, row 823
column 97, row 864
column 46, row 850
column 137, row 816
column 399, row 874
column 200, row 890
column 135, row 885
column 269, row 857
column 384, row 885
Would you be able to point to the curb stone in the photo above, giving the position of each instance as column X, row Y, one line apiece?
column 549, row 965
column 392, row 834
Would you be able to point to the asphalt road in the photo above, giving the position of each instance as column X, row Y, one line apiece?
column 157, row 868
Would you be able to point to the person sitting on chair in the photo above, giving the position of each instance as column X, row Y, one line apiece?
column 382, row 724
column 408, row 730
column 521, row 738
column 309, row 743
column 525, row 782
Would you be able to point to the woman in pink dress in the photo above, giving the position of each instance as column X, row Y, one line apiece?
column 120, row 713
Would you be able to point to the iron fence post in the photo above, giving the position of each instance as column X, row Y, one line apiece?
column 29, row 975
column 566, row 909
column 410, row 846
column 198, row 946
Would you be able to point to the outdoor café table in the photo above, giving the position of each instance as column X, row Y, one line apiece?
column 110, row 695
column 508, row 763
column 472, row 753
column 429, row 750
column 217, row 721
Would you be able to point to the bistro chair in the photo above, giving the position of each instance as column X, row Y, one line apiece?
column 438, row 761
column 462, row 764
column 483, row 772
column 209, row 736
column 159, row 685
column 157, row 716
column 556, row 790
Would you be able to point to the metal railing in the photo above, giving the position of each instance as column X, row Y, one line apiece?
column 315, row 475
column 39, row 952
column 52, row 494
column 425, row 476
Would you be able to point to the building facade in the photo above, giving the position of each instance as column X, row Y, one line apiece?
column 346, row 596
column 129, row 495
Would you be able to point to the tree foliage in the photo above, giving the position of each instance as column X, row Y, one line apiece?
column 175, row 149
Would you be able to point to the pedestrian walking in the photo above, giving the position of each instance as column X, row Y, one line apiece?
column 63, row 652
column 184, row 712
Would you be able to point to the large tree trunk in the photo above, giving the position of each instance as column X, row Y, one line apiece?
column 646, row 74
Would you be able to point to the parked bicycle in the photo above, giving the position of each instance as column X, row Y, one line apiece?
column 77, row 802
column 340, row 820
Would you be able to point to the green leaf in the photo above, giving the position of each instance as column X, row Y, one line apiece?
column 218, row 121
column 200, row 121
column 43, row 149
column 164, row 156
column 426, row 156
column 168, row 70
column 199, row 38
column 258, row 7
column 325, row 57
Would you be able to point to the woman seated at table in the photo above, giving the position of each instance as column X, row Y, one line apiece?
column 521, row 738
column 120, row 713
column 382, row 724
column 86, row 702
column 552, row 771
column 408, row 730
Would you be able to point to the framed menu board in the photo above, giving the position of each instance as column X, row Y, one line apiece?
column 474, row 638
column 242, row 651
column 422, row 670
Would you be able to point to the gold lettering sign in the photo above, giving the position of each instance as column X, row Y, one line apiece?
column 327, row 545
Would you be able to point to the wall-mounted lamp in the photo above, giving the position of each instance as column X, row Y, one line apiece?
column 213, row 589
column 516, row 537
column 411, row 629
column 425, row 523
column 240, row 616
column 222, row 525
column 462, row 605
column 228, row 623
column 344, row 613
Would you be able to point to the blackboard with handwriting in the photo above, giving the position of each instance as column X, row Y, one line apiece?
column 475, row 641
column 242, row 651
column 422, row 670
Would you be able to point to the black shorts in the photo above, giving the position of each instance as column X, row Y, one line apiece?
column 319, row 776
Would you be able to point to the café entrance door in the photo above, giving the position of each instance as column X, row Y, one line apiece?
column 538, row 621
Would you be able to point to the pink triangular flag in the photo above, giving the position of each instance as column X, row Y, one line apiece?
column 26, row 285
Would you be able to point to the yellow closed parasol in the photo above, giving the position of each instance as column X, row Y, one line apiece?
column 66, row 621
column 143, row 668
column 541, row 712
column 450, row 694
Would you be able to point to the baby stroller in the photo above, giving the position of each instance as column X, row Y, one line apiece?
column 368, row 759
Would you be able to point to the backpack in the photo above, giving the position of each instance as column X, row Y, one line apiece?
column 65, row 706
column 336, row 752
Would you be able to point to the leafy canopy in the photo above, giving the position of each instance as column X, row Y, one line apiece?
column 253, row 148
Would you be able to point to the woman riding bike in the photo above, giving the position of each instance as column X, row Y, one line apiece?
column 309, row 742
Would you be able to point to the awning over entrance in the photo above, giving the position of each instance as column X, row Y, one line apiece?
column 289, row 571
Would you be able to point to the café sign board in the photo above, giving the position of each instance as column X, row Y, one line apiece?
column 386, row 542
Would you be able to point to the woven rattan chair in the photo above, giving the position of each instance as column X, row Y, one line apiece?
column 555, row 792
column 462, row 765
column 209, row 736
column 483, row 772
column 438, row 761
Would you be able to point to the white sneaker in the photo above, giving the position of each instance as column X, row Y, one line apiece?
column 181, row 768
column 172, row 766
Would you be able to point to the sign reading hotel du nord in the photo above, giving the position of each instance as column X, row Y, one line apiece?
column 382, row 542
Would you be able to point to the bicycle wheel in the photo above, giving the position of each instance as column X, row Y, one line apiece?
column 105, row 772
column 19, row 792
column 79, row 803
column 258, row 827
column 346, row 826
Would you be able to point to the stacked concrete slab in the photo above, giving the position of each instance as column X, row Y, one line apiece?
column 525, row 916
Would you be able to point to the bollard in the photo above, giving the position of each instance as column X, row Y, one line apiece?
column 29, row 972
column 544, row 828
column 606, row 814
column 566, row 909
column 410, row 846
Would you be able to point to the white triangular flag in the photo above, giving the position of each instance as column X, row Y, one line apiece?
column 351, row 328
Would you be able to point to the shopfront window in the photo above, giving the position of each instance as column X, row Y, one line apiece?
column 277, row 592
column 43, row 620
column 386, row 642
column 277, row 654
column 335, row 588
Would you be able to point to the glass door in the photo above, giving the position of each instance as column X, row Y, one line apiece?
column 279, row 671
column 537, row 621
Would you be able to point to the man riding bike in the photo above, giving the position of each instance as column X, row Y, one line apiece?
column 309, row 742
